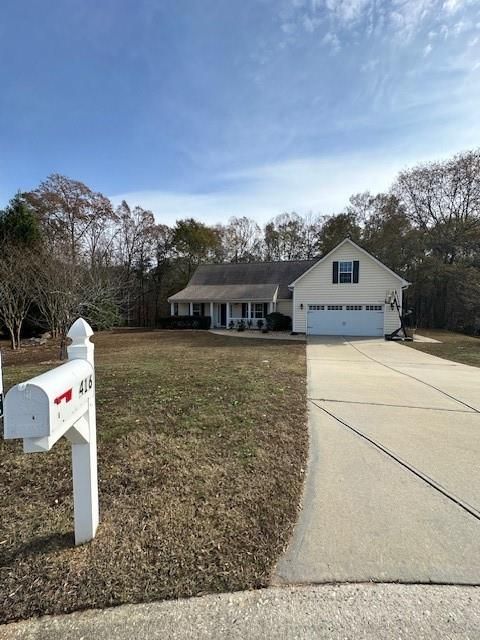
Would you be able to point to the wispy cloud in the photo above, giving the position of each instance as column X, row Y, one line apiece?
column 427, row 50
column 331, row 40
column 319, row 185
column 347, row 11
column 308, row 184
column 370, row 65
column 452, row 6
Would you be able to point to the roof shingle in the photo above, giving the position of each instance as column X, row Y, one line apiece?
column 225, row 293
column 279, row 273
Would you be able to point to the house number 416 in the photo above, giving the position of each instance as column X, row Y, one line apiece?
column 86, row 385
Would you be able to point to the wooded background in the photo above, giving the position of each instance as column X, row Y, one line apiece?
column 67, row 251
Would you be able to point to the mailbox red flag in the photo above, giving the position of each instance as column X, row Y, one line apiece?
column 67, row 396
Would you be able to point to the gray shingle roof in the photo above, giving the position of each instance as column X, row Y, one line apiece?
column 279, row 273
column 225, row 293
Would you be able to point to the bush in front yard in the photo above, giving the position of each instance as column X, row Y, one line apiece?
column 184, row 322
column 278, row 322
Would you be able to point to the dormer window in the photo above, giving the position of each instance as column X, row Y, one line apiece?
column 346, row 272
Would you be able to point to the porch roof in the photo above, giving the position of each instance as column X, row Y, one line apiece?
column 226, row 293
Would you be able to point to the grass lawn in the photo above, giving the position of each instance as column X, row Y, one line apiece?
column 454, row 346
column 202, row 444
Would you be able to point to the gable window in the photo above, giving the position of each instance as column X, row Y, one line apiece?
column 346, row 272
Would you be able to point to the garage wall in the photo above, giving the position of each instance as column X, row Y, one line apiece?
column 316, row 287
column 285, row 307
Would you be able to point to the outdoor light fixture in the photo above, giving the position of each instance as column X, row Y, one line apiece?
column 301, row 305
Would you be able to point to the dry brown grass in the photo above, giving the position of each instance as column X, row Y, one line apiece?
column 202, row 442
column 452, row 346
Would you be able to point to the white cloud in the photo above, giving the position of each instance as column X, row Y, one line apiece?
column 474, row 41
column 409, row 15
column 310, row 24
column 311, row 184
column 331, row 39
column 461, row 26
column 347, row 10
column 427, row 50
column 476, row 66
column 370, row 65
column 452, row 6
column 288, row 27
column 322, row 185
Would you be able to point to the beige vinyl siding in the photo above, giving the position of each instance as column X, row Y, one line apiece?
column 285, row 307
column 316, row 287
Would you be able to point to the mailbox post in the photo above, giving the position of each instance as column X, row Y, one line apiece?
column 60, row 403
column 1, row 386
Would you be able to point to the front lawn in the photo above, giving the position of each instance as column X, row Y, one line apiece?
column 202, row 443
column 453, row 346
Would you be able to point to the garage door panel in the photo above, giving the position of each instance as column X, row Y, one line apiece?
column 346, row 320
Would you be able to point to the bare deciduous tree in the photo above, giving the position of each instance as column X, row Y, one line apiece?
column 68, row 209
column 241, row 240
column 15, row 291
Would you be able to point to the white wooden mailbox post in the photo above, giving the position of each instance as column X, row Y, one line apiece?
column 1, row 387
column 60, row 403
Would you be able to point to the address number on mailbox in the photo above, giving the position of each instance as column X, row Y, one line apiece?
column 85, row 385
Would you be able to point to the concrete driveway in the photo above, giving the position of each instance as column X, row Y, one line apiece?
column 393, row 484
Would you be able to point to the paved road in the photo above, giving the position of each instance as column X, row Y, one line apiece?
column 343, row 612
column 393, row 488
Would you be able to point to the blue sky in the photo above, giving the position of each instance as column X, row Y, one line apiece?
column 213, row 108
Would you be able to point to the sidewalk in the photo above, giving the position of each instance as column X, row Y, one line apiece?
column 356, row 612
column 252, row 333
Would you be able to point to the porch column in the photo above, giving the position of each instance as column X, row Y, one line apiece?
column 249, row 310
column 172, row 308
column 228, row 313
column 190, row 308
column 212, row 324
column 271, row 307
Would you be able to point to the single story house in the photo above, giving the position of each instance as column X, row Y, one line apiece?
column 346, row 292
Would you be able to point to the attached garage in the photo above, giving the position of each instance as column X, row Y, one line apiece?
column 345, row 319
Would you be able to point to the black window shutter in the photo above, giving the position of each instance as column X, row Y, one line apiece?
column 335, row 272
column 202, row 311
column 265, row 309
column 356, row 269
column 244, row 309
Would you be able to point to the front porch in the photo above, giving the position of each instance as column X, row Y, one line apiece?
column 223, row 314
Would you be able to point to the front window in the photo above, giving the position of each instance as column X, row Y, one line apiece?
column 196, row 309
column 175, row 309
column 346, row 271
column 257, row 310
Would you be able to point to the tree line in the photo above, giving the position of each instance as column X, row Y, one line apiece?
column 67, row 251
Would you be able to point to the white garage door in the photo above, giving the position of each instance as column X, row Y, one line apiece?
column 345, row 319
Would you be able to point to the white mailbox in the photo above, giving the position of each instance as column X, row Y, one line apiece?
column 46, row 407
column 62, row 402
